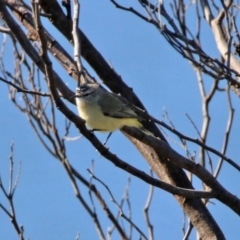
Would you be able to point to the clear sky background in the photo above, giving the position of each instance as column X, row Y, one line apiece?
column 45, row 202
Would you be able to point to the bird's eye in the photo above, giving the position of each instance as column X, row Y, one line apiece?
column 81, row 89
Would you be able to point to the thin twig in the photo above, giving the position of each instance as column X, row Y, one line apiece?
column 9, row 196
column 19, row 89
column 119, row 207
column 146, row 210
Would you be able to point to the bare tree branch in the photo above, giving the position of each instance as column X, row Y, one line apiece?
column 9, row 196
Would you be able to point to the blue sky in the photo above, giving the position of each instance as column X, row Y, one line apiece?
column 45, row 201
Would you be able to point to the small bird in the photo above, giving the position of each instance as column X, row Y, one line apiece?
column 103, row 111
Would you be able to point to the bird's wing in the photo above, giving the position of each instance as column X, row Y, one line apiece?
column 115, row 108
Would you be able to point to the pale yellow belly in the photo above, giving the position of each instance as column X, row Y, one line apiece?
column 96, row 120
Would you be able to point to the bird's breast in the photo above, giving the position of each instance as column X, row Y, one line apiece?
column 95, row 119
